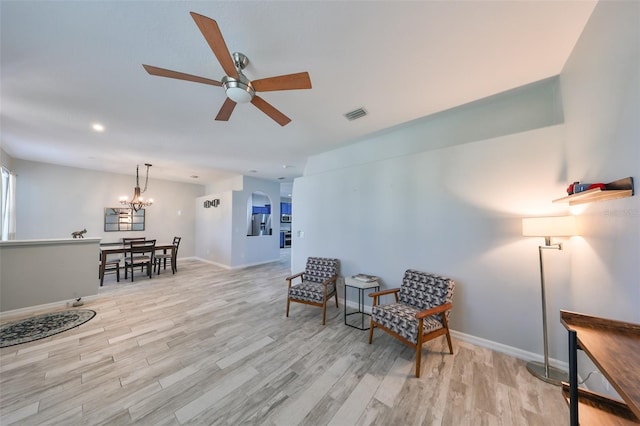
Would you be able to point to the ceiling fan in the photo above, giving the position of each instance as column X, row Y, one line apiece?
column 238, row 87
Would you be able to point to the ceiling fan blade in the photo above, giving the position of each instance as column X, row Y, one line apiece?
column 226, row 110
column 179, row 75
column 270, row 110
column 295, row 81
column 211, row 32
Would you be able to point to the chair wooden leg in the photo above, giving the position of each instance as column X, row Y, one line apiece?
column 336, row 295
column 419, row 347
column 371, row 325
column 288, row 303
column 446, row 326
column 324, row 311
column 118, row 273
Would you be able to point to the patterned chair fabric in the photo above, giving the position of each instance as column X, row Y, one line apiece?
column 401, row 319
column 419, row 291
column 317, row 271
column 317, row 286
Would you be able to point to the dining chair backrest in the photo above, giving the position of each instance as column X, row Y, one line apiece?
column 138, row 248
column 176, row 243
column 128, row 240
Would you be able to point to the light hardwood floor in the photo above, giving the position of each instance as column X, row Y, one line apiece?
column 211, row 346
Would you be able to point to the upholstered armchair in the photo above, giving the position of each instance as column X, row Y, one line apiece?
column 420, row 312
column 316, row 285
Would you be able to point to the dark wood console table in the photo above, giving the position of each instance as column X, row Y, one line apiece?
column 614, row 347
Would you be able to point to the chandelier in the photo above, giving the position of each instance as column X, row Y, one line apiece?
column 137, row 202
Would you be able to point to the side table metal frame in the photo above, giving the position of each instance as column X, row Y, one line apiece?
column 361, row 286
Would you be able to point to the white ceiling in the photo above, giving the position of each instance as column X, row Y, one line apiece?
column 68, row 64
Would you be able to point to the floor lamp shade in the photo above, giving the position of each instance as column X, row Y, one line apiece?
column 547, row 227
column 557, row 226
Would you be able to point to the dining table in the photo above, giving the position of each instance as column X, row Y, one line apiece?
column 120, row 248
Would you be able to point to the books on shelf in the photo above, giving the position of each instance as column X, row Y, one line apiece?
column 365, row 278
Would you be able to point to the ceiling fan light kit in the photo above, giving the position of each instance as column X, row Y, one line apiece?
column 238, row 88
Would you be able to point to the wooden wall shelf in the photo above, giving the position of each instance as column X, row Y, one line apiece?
column 614, row 347
column 620, row 188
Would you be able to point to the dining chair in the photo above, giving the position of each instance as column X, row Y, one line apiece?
column 171, row 257
column 141, row 253
column 127, row 240
column 111, row 266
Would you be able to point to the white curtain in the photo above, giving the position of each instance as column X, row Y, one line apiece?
column 8, row 200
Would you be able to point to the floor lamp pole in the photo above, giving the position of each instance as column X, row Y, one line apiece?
column 544, row 371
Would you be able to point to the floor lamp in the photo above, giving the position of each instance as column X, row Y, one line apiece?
column 547, row 227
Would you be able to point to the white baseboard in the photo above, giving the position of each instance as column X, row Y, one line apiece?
column 508, row 350
column 232, row 268
column 44, row 307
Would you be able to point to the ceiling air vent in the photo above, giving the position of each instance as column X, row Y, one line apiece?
column 355, row 114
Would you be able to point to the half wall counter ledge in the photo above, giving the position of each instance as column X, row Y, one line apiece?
column 38, row 272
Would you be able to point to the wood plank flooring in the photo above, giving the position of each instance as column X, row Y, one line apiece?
column 211, row 346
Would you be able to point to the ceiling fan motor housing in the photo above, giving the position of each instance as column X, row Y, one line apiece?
column 238, row 90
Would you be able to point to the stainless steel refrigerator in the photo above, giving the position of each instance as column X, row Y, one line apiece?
column 261, row 224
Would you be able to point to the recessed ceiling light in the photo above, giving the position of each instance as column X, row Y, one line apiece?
column 97, row 127
column 287, row 166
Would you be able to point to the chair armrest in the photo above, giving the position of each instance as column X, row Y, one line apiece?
column 299, row 274
column 376, row 294
column 292, row 277
column 383, row 292
column 329, row 280
column 433, row 311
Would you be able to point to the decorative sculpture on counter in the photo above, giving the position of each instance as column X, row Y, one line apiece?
column 79, row 234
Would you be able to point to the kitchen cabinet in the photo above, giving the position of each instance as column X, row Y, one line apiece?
column 285, row 208
column 261, row 209
column 614, row 347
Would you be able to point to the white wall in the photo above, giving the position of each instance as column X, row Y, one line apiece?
column 38, row 272
column 222, row 231
column 213, row 228
column 52, row 201
column 446, row 194
column 601, row 92
column 256, row 249
column 453, row 211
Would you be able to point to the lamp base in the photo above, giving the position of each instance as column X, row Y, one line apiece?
column 555, row 377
